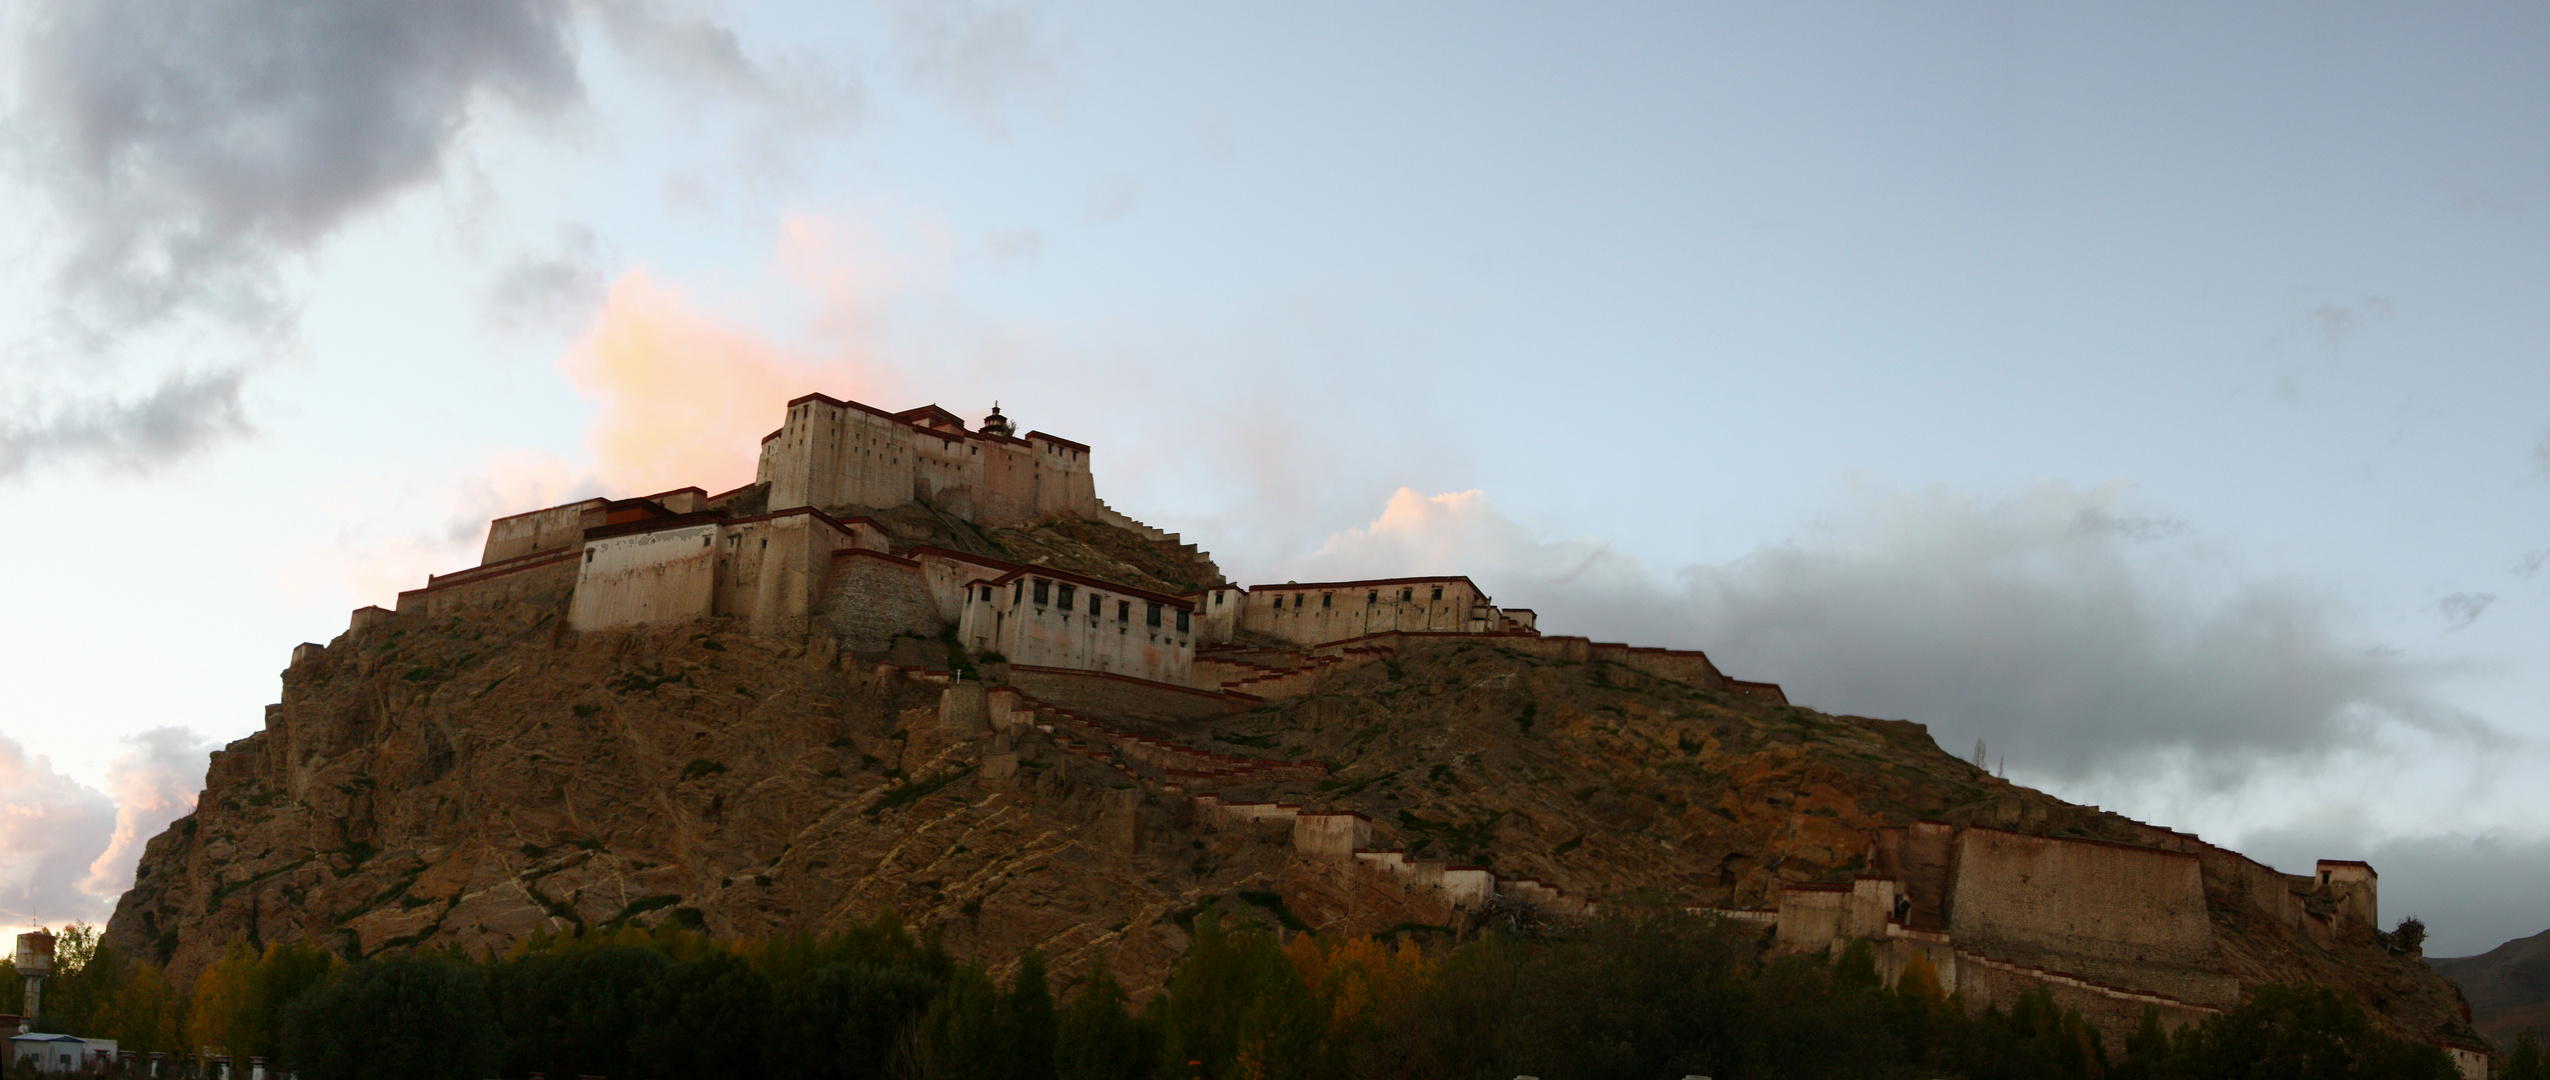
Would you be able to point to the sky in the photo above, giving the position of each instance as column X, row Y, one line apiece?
column 2158, row 395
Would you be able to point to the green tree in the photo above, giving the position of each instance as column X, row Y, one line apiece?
column 572, row 1011
column 2526, row 1063
column 710, row 1019
column 963, row 1034
column 1094, row 1038
column 845, row 1020
column 2305, row 1033
column 1029, row 1011
column 1235, row 1008
column 399, row 1018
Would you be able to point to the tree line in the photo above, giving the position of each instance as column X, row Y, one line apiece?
column 1633, row 996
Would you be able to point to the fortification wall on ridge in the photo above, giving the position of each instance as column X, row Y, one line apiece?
column 665, row 576
column 2125, row 916
column 1099, row 693
column 540, row 578
column 551, row 529
column 1318, row 613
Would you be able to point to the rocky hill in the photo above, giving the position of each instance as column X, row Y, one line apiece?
column 2508, row 986
column 473, row 778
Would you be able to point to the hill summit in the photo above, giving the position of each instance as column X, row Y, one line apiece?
column 919, row 665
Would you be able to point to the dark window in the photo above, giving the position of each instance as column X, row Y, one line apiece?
column 1044, row 591
column 1217, row 599
column 1373, row 597
column 1438, row 592
column 987, row 594
column 1151, row 615
column 1297, row 601
column 1407, row 594
column 1324, row 599
column 1124, row 611
column 588, row 554
column 1068, row 600
column 1093, row 605
column 1014, row 592
column 1182, row 622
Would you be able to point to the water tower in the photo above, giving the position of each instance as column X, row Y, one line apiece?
column 35, row 963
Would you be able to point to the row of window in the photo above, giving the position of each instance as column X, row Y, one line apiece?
column 1067, row 600
column 1406, row 595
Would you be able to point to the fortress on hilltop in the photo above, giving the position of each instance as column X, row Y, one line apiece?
column 854, row 521
column 907, row 546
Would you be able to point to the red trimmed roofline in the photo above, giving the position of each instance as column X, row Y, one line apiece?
column 872, row 553
column 1306, row 586
column 546, row 509
column 1058, row 440
column 1083, row 579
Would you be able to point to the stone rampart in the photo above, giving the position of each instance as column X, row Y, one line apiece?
column 875, row 598
column 2119, row 915
column 546, row 577
column 664, row 576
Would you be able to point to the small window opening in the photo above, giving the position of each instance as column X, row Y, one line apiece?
column 1297, row 601
column 588, row 554
column 1217, row 599
column 1014, row 590
column 1407, row 594
column 1373, row 597
column 1438, row 592
column 1182, row 621
column 1094, row 601
column 987, row 594
column 1124, row 611
column 1044, row 591
column 1151, row 615
column 1069, row 600
column 1324, row 599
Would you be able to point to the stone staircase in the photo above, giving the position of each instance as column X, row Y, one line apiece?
column 1111, row 516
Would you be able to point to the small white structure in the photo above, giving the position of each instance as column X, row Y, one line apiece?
column 61, row 1054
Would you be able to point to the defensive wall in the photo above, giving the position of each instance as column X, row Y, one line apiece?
column 2107, row 928
column 1317, row 613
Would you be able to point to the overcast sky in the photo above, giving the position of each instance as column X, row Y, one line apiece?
column 2158, row 393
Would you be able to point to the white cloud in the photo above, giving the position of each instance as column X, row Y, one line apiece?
column 51, row 830
column 152, row 784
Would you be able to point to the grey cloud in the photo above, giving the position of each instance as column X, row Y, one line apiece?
column 553, row 289
column 2473, row 892
column 1014, row 245
column 2541, row 459
column 2079, row 637
column 2462, row 609
column 51, row 828
column 796, row 96
column 186, row 414
column 979, row 57
column 1115, row 197
column 2039, row 624
column 191, row 146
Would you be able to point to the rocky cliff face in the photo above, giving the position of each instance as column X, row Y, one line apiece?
column 470, row 780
